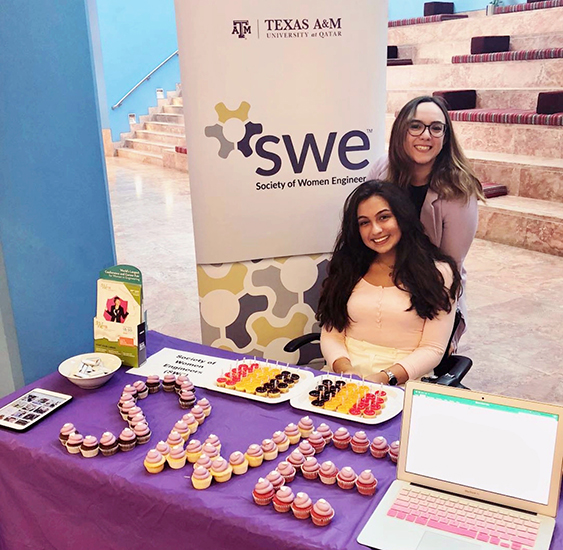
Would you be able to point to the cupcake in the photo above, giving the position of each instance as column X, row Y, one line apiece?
column 187, row 385
column 89, row 447
column 305, row 448
column 317, row 441
column 204, row 461
column 255, row 455
column 393, row 451
column 73, row 443
column 194, row 449
column 366, row 483
column 239, row 463
column 379, row 447
column 142, row 389
column 322, row 513
column 130, row 389
column 182, row 428
column 282, row 499
column 177, row 457
column 143, row 433
column 310, row 468
column 66, row 430
column 221, row 470
column 215, row 441
column 326, row 432
column 360, row 442
column 127, row 440
column 302, row 506
column 276, row 479
column 125, row 398
column 180, row 379
column 270, row 449
column 154, row 462
column 163, row 448
column 341, row 438
column 281, row 440
column 126, row 407
column 153, row 383
column 174, row 439
column 186, row 399
column 287, row 470
column 210, row 450
column 137, row 419
column 199, row 415
column 108, row 444
column 296, row 459
column 192, row 423
column 205, row 405
column 305, row 426
column 132, row 412
column 328, row 472
column 201, row 478
column 346, row 478
column 293, row 433
column 263, row 492
column 168, row 382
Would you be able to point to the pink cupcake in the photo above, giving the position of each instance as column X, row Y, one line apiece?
column 198, row 413
column 283, row 499
column 317, row 441
column 293, row 433
column 186, row 399
column 341, row 438
column 328, row 472
column 168, row 382
column 360, row 442
column 394, row 451
column 214, row 440
column 263, row 492
column 66, row 430
column 346, row 478
column 205, row 405
column 187, row 385
column 239, row 463
column 379, row 447
column 270, row 449
column 142, row 389
column 174, row 439
column 281, row 440
column 130, row 389
column 326, row 432
column 302, row 506
column 306, row 449
column 204, row 461
column 210, row 450
column 296, row 459
column 74, row 442
column 137, row 419
column 126, row 407
column 134, row 411
column 194, row 450
column 366, row 483
column 305, row 426
column 153, row 383
column 180, row 379
column 322, row 513
column 127, row 440
column 310, row 468
column 90, row 446
column 276, row 479
column 108, row 444
column 143, row 433
column 163, row 448
column 287, row 470
column 255, row 455
column 192, row 423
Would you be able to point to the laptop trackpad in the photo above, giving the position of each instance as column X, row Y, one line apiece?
column 435, row 541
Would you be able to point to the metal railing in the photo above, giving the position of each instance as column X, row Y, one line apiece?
column 143, row 80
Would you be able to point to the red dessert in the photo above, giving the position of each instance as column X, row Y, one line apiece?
column 322, row 513
column 263, row 492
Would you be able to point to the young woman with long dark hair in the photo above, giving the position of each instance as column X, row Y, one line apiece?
column 427, row 161
column 388, row 303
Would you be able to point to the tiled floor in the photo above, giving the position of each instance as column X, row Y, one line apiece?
column 515, row 335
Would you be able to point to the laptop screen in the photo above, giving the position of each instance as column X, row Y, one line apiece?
column 507, row 450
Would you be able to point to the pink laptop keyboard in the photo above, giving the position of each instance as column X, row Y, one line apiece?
column 472, row 519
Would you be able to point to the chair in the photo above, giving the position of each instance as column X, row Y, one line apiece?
column 449, row 372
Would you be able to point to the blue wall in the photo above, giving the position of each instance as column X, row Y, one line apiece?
column 415, row 8
column 55, row 223
column 136, row 36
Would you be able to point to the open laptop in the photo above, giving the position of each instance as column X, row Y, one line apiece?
column 475, row 471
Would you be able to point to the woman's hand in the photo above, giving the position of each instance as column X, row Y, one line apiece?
column 382, row 378
column 378, row 378
column 342, row 365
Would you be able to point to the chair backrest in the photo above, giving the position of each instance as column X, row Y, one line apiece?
column 445, row 365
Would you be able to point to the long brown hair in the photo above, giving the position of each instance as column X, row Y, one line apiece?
column 452, row 176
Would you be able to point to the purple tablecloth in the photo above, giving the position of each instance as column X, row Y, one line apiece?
column 50, row 499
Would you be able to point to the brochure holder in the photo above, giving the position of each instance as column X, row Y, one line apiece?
column 120, row 321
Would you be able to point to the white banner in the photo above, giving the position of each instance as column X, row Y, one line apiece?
column 284, row 103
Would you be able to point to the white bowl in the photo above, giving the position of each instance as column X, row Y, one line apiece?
column 70, row 366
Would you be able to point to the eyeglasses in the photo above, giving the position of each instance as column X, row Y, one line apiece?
column 416, row 128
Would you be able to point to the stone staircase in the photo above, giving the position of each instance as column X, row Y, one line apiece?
column 528, row 159
column 154, row 139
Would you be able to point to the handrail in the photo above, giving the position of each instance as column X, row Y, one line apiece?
column 118, row 104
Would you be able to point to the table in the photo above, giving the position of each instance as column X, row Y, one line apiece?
column 50, row 499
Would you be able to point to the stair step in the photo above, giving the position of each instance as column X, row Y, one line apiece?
column 174, row 109
column 168, row 117
column 526, row 223
column 162, row 137
column 139, row 156
column 148, row 146
column 167, row 127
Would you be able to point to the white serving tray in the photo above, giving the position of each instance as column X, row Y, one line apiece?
column 304, row 382
column 393, row 405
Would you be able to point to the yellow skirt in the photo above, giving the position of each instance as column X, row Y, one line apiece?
column 369, row 358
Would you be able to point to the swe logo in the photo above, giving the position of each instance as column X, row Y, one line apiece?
column 352, row 141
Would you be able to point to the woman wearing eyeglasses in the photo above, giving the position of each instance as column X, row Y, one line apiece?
column 426, row 159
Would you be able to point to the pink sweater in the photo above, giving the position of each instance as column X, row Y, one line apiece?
column 379, row 317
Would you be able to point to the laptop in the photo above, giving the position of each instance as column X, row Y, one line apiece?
column 475, row 472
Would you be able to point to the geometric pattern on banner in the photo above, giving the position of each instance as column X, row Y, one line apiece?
column 256, row 307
